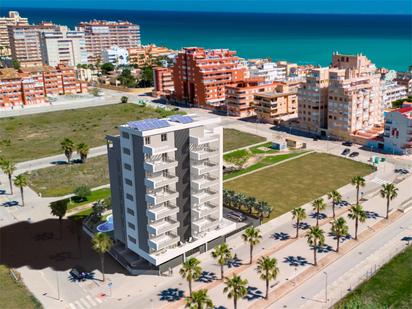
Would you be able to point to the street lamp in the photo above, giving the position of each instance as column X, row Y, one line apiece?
column 326, row 286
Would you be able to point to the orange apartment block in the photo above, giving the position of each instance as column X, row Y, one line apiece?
column 146, row 54
column 200, row 75
column 271, row 107
column 32, row 85
column 163, row 81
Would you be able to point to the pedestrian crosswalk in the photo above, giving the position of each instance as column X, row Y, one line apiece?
column 86, row 302
column 379, row 181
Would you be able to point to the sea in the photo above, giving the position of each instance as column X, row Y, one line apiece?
column 300, row 38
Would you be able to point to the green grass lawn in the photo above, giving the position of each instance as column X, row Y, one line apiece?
column 234, row 139
column 298, row 181
column 34, row 136
column 259, row 149
column 96, row 195
column 391, row 287
column 237, row 157
column 14, row 295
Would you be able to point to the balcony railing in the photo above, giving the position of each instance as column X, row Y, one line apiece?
column 154, row 166
column 157, row 150
column 202, row 154
column 204, row 196
column 204, row 182
column 206, row 139
column 205, row 210
column 203, row 168
column 161, row 227
column 205, row 225
column 163, row 241
column 157, row 198
column 160, row 181
column 161, row 212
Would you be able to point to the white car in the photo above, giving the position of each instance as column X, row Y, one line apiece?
column 236, row 216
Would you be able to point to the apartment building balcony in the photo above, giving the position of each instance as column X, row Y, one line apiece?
column 204, row 196
column 203, row 168
column 204, row 182
column 163, row 241
column 157, row 182
column 157, row 150
column 203, row 153
column 162, row 211
column 204, row 224
column 205, row 209
column 160, row 227
column 157, row 198
column 201, row 140
column 153, row 166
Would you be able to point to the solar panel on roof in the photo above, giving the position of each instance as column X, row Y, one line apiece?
column 148, row 124
column 181, row 119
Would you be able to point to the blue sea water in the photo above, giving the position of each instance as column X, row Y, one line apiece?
column 301, row 38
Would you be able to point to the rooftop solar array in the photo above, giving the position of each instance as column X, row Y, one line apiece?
column 148, row 124
column 181, row 119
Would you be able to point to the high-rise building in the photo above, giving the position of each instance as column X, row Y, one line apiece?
column 390, row 92
column 13, row 19
column 166, row 184
column 148, row 54
column 101, row 35
column 200, row 75
column 163, row 81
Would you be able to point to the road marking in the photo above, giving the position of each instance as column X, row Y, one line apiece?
column 98, row 300
column 78, row 304
column 90, row 299
column 380, row 181
column 72, row 306
column 85, row 303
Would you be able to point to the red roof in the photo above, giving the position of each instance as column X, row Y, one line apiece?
column 404, row 110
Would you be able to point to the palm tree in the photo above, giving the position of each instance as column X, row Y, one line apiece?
column 358, row 181
column 68, row 148
column 83, row 151
column 336, row 198
column 59, row 209
column 316, row 238
column 21, row 181
column 339, row 229
column 235, row 288
column 263, row 209
column 268, row 270
column 222, row 254
column 357, row 213
column 8, row 168
column 250, row 203
column 299, row 214
column 191, row 270
column 318, row 205
column 102, row 244
column 253, row 236
column 389, row 191
column 199, row 300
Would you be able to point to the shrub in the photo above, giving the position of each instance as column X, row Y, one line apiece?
column 82, row 192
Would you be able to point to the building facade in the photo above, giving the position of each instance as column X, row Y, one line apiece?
column 101, row 35
column 148, row 55
column 269, row 71
column 163, row 81
column 200, row 75
column 13, row 19
column 390, row 92
column 115, row 55
column 405, row 79
column 398, row 131
column 166, row 183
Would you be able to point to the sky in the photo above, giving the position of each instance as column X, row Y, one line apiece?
column 272, row 6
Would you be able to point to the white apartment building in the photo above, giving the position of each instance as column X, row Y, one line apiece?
column 270, row 71
column 13, row 19
column 115, row 55
column 166, row 183
column 398, row 131
column 391, row 91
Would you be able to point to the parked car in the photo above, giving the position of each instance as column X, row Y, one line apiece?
column 401, row 171
column 354, row 154
column 345, row 152
column 236, row 216
column 347, row 143
column 78, row 273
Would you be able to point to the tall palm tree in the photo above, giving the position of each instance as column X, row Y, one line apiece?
column 339, row 229
column 358, row 181
column 389, row 191
column 316, row 238
column 21, row 181
column 357, row 213
column 299, row 214
column 268, row 270
column 59, row 209
column 102, row 244
column 8, row 168
column 336, row 198
column 83, row 151
column 318, row 205
column 236, row 288
column 68, row 148
column 199, row 300
column 253, row 236
column 191, row 270
column 222, row 254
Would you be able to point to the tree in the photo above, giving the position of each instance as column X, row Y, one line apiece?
column 124, row 99
column 127, row 79
column 21, row 181
column 389, row 191
column 59, row 209
column 190, row 271
column 268, row 270
column 316, row 238
column 299, row 214
column 358, row 181
column 68, row 148
column 94, row 91
column 8, row 168
column 107, row 67
column 263, row 209
column 16, row 64
column 199, row 300
column 250, row 203
column 98, row 208
column 357, row 213
column 222, row 253
column 236, row 288
column 318, row 205
column 339, row 229
column 102, row 244
column 253, row 236
column 336, row 198
column 146, row 77
column 83, row 151
column 82, row 192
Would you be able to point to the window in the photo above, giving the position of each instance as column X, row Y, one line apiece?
column 147, row 140
column 125, row 135
column 163, row 137
column 132, row 239
column 128, row 167
column 130, row 211
column 131, row 225
column 126, row 151
column 128, row 182
column 129, row 197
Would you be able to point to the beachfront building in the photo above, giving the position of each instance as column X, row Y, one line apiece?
column 101, row 35
column 32, row 85
column 269, row 71
column 398, row 131
column 280, row 104
column 405, row 79
column 390, row 92
column 13, row 19
column 166, row 186
column 148, row 54
column 200, row 75
column 163, row 82
column 115, row 55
